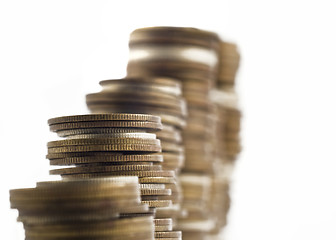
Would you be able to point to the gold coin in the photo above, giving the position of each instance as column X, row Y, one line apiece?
column 105, row 159
column 171, row 234
column 107, row 148
column 106, row 124
column 140, row 174
column 141, row 135
column 101, row 141
column 151, row 192
column 169, row 82
column 163, row 221
column 157, row 203
column 101, row 169
column 152, row 186
column 138, row 98
column 174, row 35
column 139, row 108
column 105, row 117
column 157, row 180
column 163, row 228
column 112, row 131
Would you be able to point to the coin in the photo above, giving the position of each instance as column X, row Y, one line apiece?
column 152, row 35
column 107, row 148
column 112, row 131
column 171, row 234
column 140, row 174
column 114, row 135
column 104, row 124
column 102, row 169
column 157, row 203
column 100, row 158
column 102, row 141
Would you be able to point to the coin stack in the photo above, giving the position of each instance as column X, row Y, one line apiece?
column 157, row 96
column 191, row 56
column 116, row 144
column 83, row 209
column 226, row 98
column 228, row 131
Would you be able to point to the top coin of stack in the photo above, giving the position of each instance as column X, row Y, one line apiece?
column 83, row 209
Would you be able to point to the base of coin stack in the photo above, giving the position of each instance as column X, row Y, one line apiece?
column 83, row 209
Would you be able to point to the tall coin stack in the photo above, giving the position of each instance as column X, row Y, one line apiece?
column 191, row 56
column 157, row 96
column 116, row 144
column 83, row 209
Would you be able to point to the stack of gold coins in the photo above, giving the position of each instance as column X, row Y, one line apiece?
column 157, row 96
column 83, row 209
column 191, row 56
column 197, row 196
column 226, row 100
column 114, row 144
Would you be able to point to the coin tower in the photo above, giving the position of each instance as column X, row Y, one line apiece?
column 159, row 96
column 206, row 68
column 117, row 144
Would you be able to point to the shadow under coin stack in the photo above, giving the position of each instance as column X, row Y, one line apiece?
column 191, row 56
column 116, row 144
column 83, row 209
column 156, row 96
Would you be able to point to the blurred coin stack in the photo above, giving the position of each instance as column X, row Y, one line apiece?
column 226, row 99
column 228, row 131
column 83, row 209
column 116, row 144
column 191, row 56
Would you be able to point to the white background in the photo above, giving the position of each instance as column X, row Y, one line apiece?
column 52, row 53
